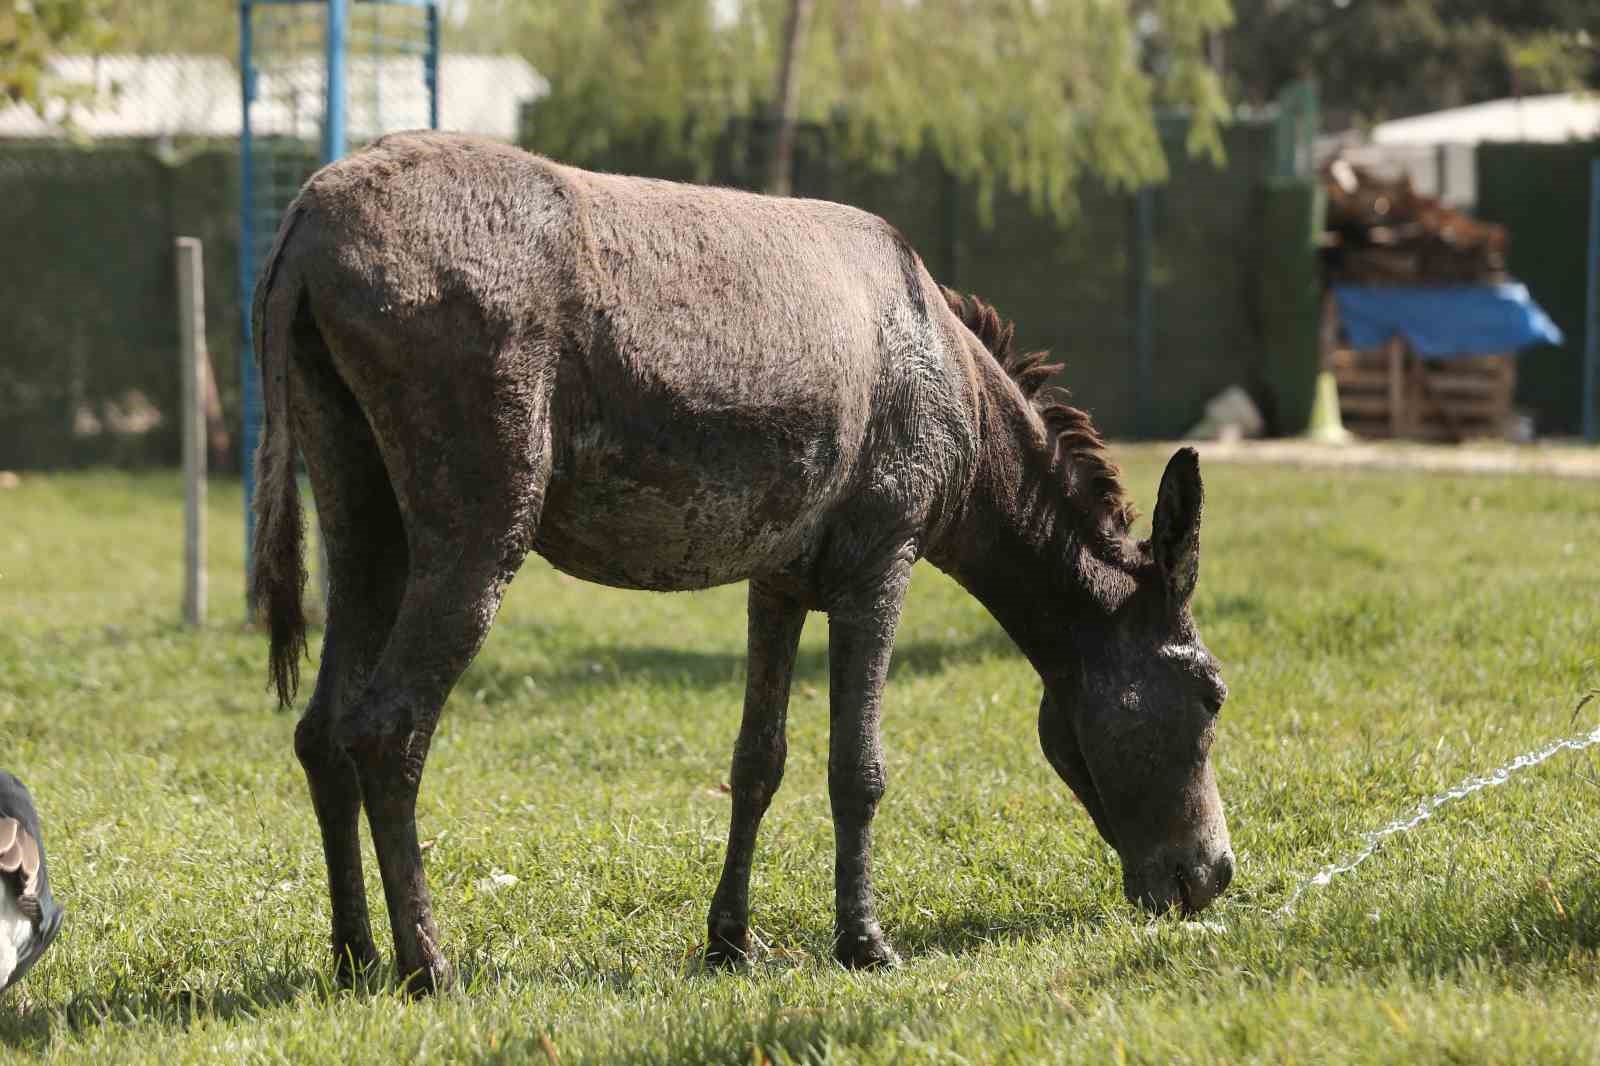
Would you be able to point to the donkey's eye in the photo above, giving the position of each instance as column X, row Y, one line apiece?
column 1212, row 702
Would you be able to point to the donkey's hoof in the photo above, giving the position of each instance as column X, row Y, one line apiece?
column 428, row 972
column 429, row 979
column 353, row 964
column 729, row 946
column 864, row 950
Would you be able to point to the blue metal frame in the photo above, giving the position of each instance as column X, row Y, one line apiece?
column 334, row 142
column 430, row 66
column 249, row 384
column 333, row 137
column 385, row 3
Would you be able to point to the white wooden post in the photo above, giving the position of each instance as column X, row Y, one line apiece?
column 192, row 363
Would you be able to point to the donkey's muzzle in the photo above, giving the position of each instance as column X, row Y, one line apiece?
column 1199, row 885
column 1171, row 881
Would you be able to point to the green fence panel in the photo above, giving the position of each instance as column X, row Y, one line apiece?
column 90, row 317
column 1540, row 192
column 88, row 277
column 84, row 265
column 1208, row 248
column 1291, row 300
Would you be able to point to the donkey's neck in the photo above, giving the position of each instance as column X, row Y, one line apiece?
column 1020, row 543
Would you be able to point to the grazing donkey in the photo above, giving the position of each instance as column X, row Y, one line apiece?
column 482, row 353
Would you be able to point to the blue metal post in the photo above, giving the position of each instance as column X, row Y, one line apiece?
column 430, row 66
column 333, row 129
column 1591, row 329
column 249, row 384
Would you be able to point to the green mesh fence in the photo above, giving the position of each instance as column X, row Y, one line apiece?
column 89, row 297
column 1291, row 299
column 88, row 334
column 1540, row 192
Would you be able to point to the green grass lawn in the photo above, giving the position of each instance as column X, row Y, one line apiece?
column 1384, row 636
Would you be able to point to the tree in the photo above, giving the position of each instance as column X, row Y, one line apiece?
column 151, row 27
column 1379, row 59
column 781, row 172
column 33, row 30
column 1033, row 94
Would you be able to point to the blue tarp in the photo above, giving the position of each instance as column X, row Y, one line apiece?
column 1442, row 321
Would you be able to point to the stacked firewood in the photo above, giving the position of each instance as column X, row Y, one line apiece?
column 1383, row 232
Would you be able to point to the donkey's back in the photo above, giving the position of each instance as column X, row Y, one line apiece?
column 690, row 383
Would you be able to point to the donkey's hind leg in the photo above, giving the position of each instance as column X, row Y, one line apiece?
column 443, row 619
column 366, row 548
column 470, row 499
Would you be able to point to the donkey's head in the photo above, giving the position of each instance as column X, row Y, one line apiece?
column 1129, row 726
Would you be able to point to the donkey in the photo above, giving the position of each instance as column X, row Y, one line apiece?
column 482, row 353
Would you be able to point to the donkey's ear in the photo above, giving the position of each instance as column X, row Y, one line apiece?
column 1175, row 529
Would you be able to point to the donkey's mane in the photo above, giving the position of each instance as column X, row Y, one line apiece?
column 1093, row 478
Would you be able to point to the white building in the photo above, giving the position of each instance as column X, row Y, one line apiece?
column 1438, row 150
column 172, row 96
column 1554, row 117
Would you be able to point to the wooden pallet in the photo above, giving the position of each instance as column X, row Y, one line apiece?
column 1391, row 393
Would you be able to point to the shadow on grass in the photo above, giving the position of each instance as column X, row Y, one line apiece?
column 956, row 934
column 611, row 664
column 176, row 1009
column 971, row 930
column 715, row 1033
column 589, row 667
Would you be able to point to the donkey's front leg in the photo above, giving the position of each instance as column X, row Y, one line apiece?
column 860, row 640
column 775, row 623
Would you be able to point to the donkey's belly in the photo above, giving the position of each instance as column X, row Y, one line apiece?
column 684, row 517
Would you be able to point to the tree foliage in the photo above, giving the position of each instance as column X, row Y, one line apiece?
column 1029, row 93
column 150, row 27
column 1032, row 94
column 33, row 30
column 1379, row 59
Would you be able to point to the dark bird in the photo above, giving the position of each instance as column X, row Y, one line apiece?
column 29, row 917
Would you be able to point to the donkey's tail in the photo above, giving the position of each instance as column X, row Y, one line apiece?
column 277, row 567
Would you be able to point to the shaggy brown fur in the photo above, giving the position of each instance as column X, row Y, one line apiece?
column 481, row 353
column 1083, row 451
